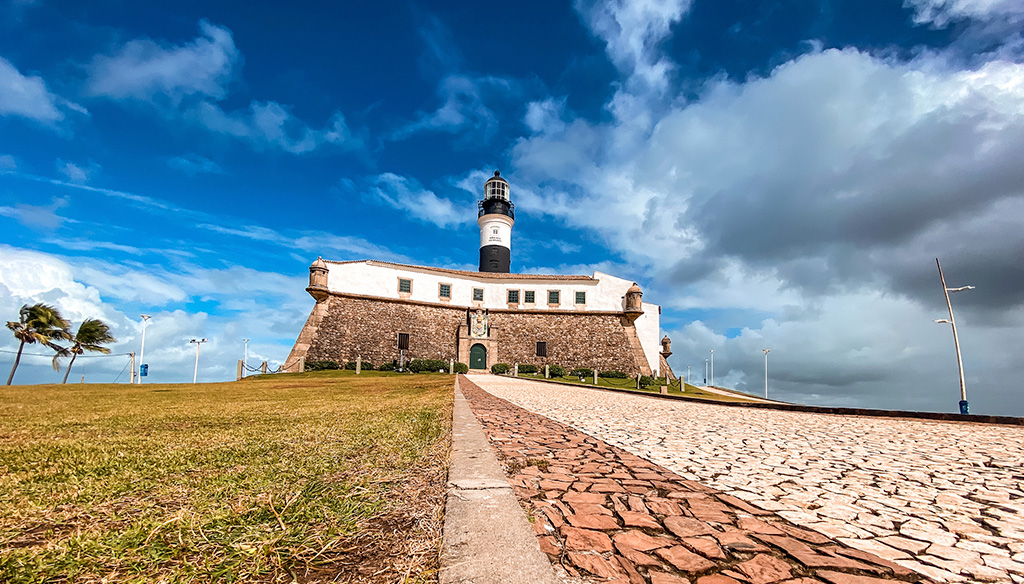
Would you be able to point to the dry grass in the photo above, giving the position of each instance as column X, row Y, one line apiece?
column 315, row 477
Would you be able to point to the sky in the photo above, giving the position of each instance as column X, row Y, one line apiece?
column 775, row 175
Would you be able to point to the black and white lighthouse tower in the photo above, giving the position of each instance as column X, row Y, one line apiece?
column 496, row 217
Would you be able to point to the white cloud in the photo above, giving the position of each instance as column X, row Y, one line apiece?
column 272, row 125
column 942, row 12
column 464, row 107
column 194, row 165
column 43, row 217
column 145, row 70
column 545, row 116
column 633, row 31
column 75, row 173
column 28, row 97
column 407, row 195
column 267, row 307
column 8, row 163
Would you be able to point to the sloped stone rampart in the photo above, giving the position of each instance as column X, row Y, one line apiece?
column 356, row 326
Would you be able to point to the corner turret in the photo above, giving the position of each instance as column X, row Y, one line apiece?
column 318, row 279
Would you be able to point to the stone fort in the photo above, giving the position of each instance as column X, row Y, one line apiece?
column 383, row 312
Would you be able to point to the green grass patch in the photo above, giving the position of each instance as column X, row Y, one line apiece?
column 686, row 390
column 278, row 478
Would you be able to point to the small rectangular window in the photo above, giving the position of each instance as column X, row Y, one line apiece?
column 403, row 341
column 405, row 285
column 444, row 291
column 554, row 297
column 542, row 348
column 581, row 298
column 528, row 297
column 478, row 294
column 513, row 296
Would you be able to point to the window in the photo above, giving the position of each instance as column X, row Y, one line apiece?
column 513, row 296
column 405, row 285
column 403, row 341
column 542, row 348
column 444, row 291
column 554, row 297
column 581, row 298
column 528, row 297
column 478, row 294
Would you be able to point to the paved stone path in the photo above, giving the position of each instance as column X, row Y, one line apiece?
column 943, row 499
column 602, row 513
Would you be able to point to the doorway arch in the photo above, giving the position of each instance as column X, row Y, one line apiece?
column 478, row 357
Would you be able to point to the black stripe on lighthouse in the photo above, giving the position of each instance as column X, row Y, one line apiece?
column 495, row 258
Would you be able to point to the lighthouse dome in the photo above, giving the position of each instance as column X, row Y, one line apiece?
column 496, row 187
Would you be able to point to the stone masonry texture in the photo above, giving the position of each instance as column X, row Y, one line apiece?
column 943, row 499
column 368, row 328
column 604, row 514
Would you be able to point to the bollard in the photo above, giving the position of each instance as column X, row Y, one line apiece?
column 238, row 371
column 664, row 390
column 302, row 364
column 359, row 365
column 263, row 368
column 638, row 381
column 595, row 376
column 451, row 366
column 515, row 370
column 546, row 374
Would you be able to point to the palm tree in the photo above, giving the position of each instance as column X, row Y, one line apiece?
column 41, row 324
column 91, row 334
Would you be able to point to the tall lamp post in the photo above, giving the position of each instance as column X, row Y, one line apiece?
column 688, row 374
column 198, row 342
column 705, row 371
column 766, row 351
column 245, row 356
column 964, row 409
column 712, row 367
column 142, row 351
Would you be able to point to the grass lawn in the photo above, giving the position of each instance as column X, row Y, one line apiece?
column 630, row 384
column 324, row 476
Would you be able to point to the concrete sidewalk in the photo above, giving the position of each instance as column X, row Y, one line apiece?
column 487, row 538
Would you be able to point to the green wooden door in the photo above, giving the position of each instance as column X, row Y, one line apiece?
column 478, row 357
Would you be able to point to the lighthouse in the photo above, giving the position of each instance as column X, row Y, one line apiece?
column 495, row 218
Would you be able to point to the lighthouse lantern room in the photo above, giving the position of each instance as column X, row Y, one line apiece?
column 496, row 217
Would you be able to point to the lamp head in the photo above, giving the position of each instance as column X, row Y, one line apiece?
column 941, row 321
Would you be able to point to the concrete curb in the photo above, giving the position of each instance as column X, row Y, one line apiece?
column 867, row 412
column 487, row 538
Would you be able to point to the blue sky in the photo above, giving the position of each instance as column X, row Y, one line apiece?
column 774, row 174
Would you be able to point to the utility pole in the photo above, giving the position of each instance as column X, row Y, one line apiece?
column 766, row 351
column 964, row 408
column 712, row 367
column 142, row 352
column 195, row 373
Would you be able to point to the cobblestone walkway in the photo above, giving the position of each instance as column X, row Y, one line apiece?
column 602, row 513
column 943, row 499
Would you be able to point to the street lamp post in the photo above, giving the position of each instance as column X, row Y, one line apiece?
column 195, row 373
column 688, row 374
column 705, row 371
column 245, row 356
column 766, row 351
column 142, row 351
column 712, row 367
column 964, row 409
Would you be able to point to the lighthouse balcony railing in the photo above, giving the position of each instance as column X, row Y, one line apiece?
column 488, row 206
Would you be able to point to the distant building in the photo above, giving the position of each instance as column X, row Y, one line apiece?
column 382, row 311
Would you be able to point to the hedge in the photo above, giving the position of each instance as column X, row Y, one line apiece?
column 428, row 365
column 527, row 368
column 364, row 366
column 556, row 371
column 613, row 375
column 500, row 368
column 582, row 372
column 322, row 365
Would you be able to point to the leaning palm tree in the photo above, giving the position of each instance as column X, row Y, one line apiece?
column 91, row 334
column 41, row 324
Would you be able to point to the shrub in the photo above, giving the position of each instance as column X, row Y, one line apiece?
column 613, row 375
column 647, row 381
column 527, row 368
column 322, row 365
column 582, row 372
column 428, row 365
column 556, row 371
column 500, row 368
column 364, row 366
column 388, row 366
column 461, row 368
